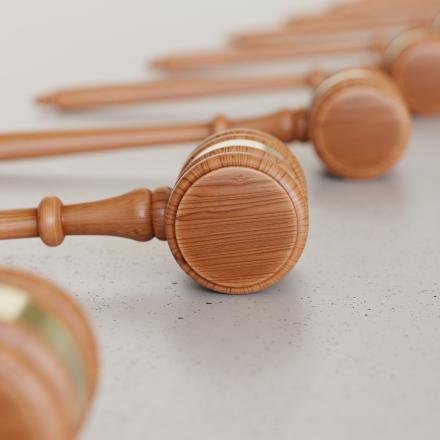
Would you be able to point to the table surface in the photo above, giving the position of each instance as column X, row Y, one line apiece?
column 347, row 346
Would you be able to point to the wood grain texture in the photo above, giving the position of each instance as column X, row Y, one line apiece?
column 359, row 124
column 211, row 146
column 37, row 394
column 237, row 219
column 360, row 127
column 159, row 200
column 18, row 223
column 129, row 216
column 413, row 60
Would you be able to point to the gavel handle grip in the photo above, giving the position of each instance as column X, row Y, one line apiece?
column 286, row 125
column 138, row 215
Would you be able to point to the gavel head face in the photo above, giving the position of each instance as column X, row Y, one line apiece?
column 359, row 124
column 413, row 60
column 237, row 218
column 48, row 362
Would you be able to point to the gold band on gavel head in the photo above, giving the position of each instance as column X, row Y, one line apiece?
column 16, row 307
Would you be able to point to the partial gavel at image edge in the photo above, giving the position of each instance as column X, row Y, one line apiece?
column 412, row 59
column 391, row 11
column 236, row 220
column 48, row 360
column 357, row 122
column 323, row 26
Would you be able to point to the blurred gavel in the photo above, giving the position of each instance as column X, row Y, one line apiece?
column 358, row 123
column 48, row 360
column 412, row 59
column 366, row 19
column 236, row 220
column 397, row 11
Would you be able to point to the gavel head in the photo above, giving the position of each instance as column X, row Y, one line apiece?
column 48, row 363
column 413, row 60
column 359, row 123
column 237, row 218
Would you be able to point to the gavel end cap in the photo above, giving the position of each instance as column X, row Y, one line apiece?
column 233, row 224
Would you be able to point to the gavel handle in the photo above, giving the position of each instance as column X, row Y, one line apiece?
column 371, row 10
column 286, row 125
column 294, row 35
column 361, row 22
column 138, row 215
column 230, row 57
column 173, row 89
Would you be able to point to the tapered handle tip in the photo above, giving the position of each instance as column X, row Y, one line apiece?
column 46, row 100
column 162, row 64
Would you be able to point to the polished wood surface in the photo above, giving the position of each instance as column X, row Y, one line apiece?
column 128, row 216
column 359, row 124
column 38, row 394
column 359, row 96
column 236, row 220
column 241, row 227
column 172, row 89
column 285, row 124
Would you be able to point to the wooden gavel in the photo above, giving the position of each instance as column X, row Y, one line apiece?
column 396, row 10
column 358, row 123
column 172, row 89
column 416, row 16
column 48, row 360
column 236, row 220
column 412, row 59
column 343, row 28
column 409, row 66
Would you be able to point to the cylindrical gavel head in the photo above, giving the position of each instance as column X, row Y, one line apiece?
column 413, row 60
column 237, row 218
column 48, row 361
column 359, row 123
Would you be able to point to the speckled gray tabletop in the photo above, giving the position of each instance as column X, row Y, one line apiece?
column 347, row 346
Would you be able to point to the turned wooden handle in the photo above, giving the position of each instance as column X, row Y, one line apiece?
column 172, row 89
column 228, row 57
column 138, row 215
column 286, row 125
